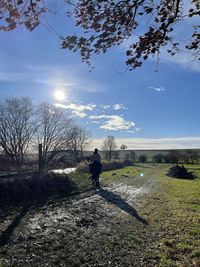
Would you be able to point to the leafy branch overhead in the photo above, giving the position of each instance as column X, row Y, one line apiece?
column 20, row 12
column 149, row 24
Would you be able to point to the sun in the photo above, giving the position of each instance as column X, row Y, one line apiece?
column 59, row 95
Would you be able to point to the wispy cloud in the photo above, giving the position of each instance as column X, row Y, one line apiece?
column 154, row 144
column 183, row 59
column 7, row 76
column 54, row 77
column 105, row 106
column 131, row 131
column 135, row 130
column 71, row 82
column 118, row 107
column 62, row 76
column 113, row 122
column 157, row 89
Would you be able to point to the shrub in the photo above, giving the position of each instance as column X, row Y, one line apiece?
column 142, row 158
column 128, row 162
column 35, row 187
column 112, row 165
column 158, row 158
column 83, row 167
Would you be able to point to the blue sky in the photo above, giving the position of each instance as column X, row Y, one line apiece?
column 147, row 108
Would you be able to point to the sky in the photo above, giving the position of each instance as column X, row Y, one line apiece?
column 152, row 107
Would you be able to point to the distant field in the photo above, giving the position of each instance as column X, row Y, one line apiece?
column 148, row 153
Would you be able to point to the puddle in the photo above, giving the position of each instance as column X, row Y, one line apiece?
column 128, row 192
column 63, row 171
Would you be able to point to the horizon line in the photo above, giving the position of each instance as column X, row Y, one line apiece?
column 153, row 143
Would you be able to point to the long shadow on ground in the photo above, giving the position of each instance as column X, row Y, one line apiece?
column 120, row 203
column 6, row 235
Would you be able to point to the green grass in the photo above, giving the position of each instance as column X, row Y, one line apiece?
column 83, row 182
column 174, row 214
column 121, row 175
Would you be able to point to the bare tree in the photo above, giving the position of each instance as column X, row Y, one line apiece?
column 133, row 156
column 16, row 128
column 174, row 156
column 79, row 141
column 109, row 146
column 123, row 147
column 54, row 132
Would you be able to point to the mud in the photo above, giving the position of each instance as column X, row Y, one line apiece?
column 101, row 228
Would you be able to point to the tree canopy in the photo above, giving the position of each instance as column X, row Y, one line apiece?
column 148, row 24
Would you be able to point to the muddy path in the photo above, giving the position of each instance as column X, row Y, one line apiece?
column 101, row 227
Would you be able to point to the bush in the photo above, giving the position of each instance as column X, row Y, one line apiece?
column 128, row 162
column 142, row 158
column 36, row 187
column 83, row 167
column 158, row 158
column 112, row 165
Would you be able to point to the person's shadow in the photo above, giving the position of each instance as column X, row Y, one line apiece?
column 120, row 203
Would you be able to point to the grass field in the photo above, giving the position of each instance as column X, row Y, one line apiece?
column 173, row 212
column 139, row 217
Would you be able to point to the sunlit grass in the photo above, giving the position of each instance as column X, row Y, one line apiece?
column 174, row 213
column 125, row 174
column 121, row 175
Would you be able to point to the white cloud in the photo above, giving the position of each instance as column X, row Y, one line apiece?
column 118, row 107
column 77, row 107
column 106, row 122
column 114, row 107
column 113, row 122
column 77, row 110
column 137, row 129
column 79, row 114
column 105, row 106
column 154, row 144
column 130, row 131
column 157, row 89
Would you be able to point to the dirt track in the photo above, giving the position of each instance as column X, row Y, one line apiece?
column 97, row 228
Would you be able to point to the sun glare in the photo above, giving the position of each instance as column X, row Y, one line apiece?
column 59, row 95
